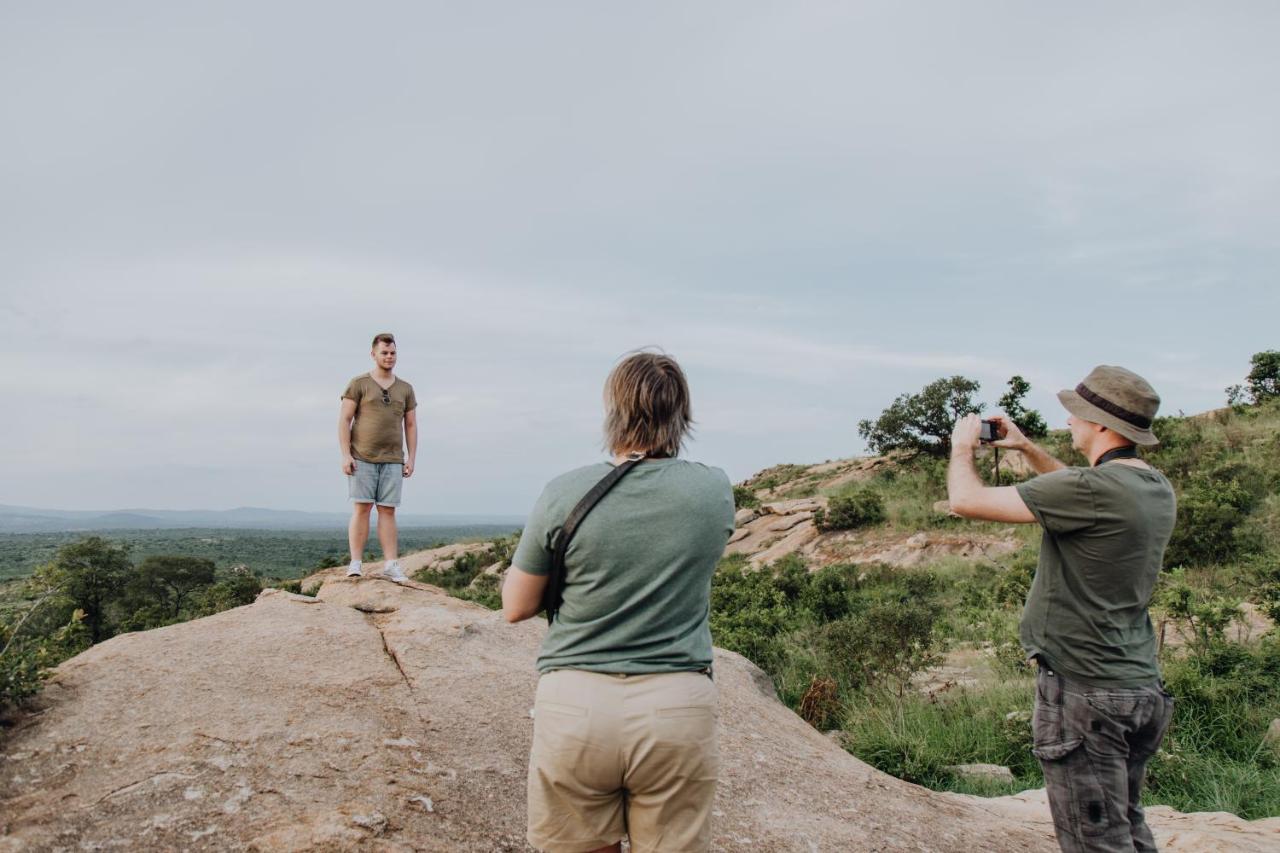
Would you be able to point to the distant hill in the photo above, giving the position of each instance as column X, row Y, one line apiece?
column 22, row 519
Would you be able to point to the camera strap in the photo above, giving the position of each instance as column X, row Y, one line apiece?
column 1126, row 452
column 553, row 596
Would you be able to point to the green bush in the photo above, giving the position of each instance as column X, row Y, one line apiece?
column 485, row 590
column 749, row 612
column 852, row 509
column 1210, row 514
column 1225, row 696
column 744, row 498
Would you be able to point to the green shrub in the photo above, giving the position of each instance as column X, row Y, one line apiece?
column 749, row 611
column 852, row 509
column 744, row 498
column 1210, row 512
column 485, row 590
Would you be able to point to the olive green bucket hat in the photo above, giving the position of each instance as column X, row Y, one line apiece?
column 1119, row 399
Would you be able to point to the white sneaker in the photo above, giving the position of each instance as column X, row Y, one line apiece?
column 393, row 572
column 353, row 570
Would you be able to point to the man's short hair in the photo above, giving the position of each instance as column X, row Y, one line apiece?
column 382, row 338
column 647, row 406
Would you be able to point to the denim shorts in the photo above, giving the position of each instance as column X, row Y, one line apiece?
column 376, row 483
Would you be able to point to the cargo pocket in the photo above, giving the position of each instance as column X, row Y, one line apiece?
column 1077, row 796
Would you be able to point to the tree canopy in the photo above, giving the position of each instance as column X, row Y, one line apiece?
column 923, row 422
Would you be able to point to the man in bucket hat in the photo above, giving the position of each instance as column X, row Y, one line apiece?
column 1101, row 709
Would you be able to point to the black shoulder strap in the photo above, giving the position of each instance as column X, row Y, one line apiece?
column 554, row 594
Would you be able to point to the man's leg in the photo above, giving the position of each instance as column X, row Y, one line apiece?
column 358, row 530
column 1142, row 745
column 1082, row 747
column 387, row 533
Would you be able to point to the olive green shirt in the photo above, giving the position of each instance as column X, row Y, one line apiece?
column 638, row 570
column 1105, row 531
column 377, row 434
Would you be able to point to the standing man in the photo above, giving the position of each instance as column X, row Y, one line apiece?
column 1101, row 709
column 377, row 418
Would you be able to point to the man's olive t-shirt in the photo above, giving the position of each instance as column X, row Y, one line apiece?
column 377, row 435
column 1105, row 531
column 638, row 570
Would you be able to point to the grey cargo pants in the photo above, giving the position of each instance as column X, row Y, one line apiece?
column 1093, row 744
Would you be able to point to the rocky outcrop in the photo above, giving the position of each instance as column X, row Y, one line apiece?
column 394, row 718
column 1200, row 832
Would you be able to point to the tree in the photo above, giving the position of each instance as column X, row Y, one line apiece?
column 923, row 422
column 89, row 575
column 168, row 581
column 1264, row 377
column 1027, row 420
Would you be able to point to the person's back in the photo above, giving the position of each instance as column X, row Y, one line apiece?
column 1105, row 531
column 624, row 739
column 638, row 569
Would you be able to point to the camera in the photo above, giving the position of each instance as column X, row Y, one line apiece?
column 990, row 431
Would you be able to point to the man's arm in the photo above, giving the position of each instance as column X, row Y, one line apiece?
column 522, row 594
column 965, row 492
column 1013, row 439
column 411, row 439
column 346, row 414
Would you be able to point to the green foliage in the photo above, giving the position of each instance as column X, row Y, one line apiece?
column 1206, row 613
column 1264, row 376
column 922, row 423
column 886, row 643
column 271, row 553
column 27, row 660
column 1266, row 586
column 778, row 475
column 89, row 575
column 485, row 590
column 1028, row 420
column 744, row 498
column 465, row 577
column 168, row 581
column 749, row 611
column 855, row 508
column 1225, row 695
column 235, row 589
column 1210, row 513
column 916, row 738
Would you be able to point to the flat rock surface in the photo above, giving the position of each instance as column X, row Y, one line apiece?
column 394, row 718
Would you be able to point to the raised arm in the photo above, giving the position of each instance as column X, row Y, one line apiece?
column 1012, row 438
column 966, row 493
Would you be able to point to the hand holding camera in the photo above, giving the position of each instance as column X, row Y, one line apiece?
column 1000, row 431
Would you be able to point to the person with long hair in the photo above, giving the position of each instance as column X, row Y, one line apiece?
column 624, row 742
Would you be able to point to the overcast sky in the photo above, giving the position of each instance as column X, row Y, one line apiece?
column 207, row 210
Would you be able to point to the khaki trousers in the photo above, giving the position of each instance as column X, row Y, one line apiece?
column 619, row 756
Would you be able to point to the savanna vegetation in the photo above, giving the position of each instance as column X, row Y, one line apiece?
column 87, row 589
column 850, row 647
column 271, row 553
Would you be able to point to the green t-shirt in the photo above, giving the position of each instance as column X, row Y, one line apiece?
column 377, row 434
column 1105, row 531
column 638, row 570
